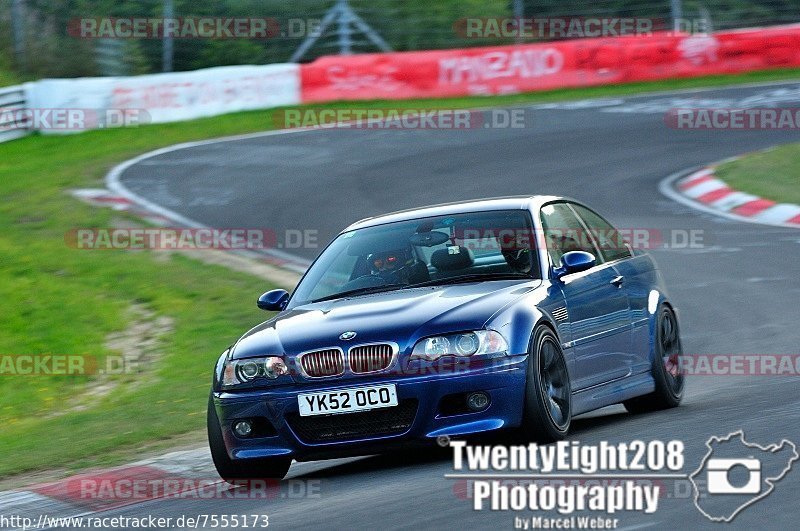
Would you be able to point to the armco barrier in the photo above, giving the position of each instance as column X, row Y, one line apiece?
column 157, row 98
column 474, row 71
column 12, row 100
column 546, row 66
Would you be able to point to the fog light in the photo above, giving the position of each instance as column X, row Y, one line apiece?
column 478, row 401
column 243, row 428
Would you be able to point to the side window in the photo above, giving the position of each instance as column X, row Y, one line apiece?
column 612, row 245
column 563, row 233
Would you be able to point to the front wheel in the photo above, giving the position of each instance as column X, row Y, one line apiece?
column 548, row 395
column 666, row 367
column 237, row 471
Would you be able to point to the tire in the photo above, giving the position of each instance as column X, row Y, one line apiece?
column 234, row 471
column 666, row 367
column 547, row 413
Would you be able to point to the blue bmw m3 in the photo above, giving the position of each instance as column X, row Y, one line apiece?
column 453, row 320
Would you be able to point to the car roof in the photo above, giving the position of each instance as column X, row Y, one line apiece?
column 527, row 202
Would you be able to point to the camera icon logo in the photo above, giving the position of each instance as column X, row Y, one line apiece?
column 719, row 476
column 736, row 473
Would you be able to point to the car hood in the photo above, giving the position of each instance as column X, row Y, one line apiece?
column 402, row 316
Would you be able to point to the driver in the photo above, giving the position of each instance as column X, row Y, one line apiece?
column 389, row 264
column 519, row 260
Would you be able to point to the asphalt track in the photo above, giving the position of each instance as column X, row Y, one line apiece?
column 737, row 294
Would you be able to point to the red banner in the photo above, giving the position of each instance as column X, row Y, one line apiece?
column 547, row 66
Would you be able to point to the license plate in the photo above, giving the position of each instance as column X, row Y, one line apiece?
column 347, row 400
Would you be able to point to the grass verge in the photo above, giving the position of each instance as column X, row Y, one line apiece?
column 773, row 174
column 60, row 300
column 7, row 76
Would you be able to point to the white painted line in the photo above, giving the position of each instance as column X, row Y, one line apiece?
column 114, row 183
column 90, row 192
column 15, row 499
column 298, row 263
column 677, row 92
column 196, row 462
column 644, row 525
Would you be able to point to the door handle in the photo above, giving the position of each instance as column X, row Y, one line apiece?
column 618, row 281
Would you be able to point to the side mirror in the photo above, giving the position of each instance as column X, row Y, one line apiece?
column 273, row 301
column 575, row 262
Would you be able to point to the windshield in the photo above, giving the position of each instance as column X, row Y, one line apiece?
column 463, row 247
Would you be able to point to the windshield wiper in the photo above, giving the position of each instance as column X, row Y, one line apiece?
column 476, row 277
column 360, row 291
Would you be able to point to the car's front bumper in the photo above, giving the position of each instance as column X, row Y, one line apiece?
column 503, row 381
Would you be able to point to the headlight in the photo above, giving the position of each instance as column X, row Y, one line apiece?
column 238, row 372
column 480, row 342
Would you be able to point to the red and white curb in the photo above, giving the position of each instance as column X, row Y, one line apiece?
column 183, row 474
column 101, row 197
column 180, row 475
column 702, row 190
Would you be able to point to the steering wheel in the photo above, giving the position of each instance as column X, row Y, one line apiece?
column 366, row 281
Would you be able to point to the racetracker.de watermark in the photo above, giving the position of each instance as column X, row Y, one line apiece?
column 402, row 118
column 41, row 119
column 193, row 28
column 183, row 239
column 564, row 239
column 102, row 490
column 553, row 27
column 49, row 364
column 732, row 119
column 739, row 364
column 108, row 489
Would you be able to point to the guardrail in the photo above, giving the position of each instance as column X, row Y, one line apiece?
column 62, row 106
column 93, row 103
column 13, row 124
column 549, row 65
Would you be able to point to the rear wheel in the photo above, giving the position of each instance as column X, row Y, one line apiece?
column 666, row 367
column 548, row 396
column 230, row 470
